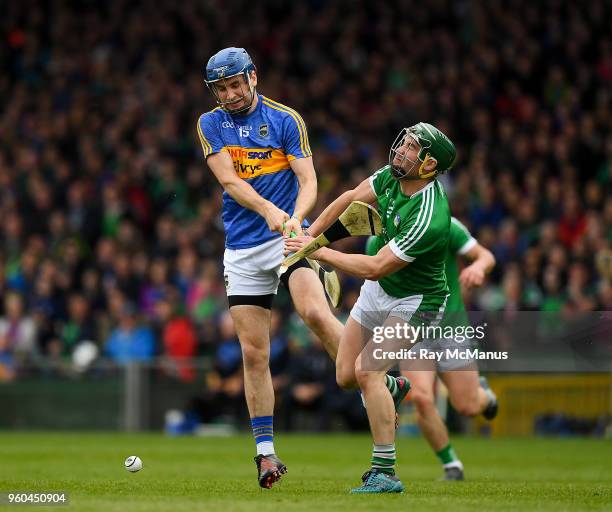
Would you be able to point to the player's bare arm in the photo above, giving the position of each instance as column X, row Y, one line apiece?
column 483, row 262
column 362, row 192
column 359, row 265
column 221, row 166
column 304, row 170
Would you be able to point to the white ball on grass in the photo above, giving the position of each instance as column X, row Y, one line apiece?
column 133, row 463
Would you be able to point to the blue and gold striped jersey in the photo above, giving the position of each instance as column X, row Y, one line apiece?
column 261, row 145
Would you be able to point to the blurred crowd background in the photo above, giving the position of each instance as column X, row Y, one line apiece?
column 111, row 227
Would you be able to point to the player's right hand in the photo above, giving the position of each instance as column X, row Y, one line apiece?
column 296, row 243
column 275, row 218
column 292, row 228
column 472, row 276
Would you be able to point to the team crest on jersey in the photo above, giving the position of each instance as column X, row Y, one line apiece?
column 226, row 279
column 264, row 130
column 397, row 220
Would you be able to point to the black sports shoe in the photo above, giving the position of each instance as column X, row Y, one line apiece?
column 491, row 410
column 269, row 470
column 453, row 473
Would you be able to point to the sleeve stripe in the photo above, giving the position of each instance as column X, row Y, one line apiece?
column 371, row 180
column 295, row 115
column 431, row 209
column 399, row 253
column 374, row 176
column 304, row 146
column 304, row 142
column 414, row 229
column 467, row 246
column 206, row 147
column 299, row 125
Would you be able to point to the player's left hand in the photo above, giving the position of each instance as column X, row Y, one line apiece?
column 292, row 225
column 295, row 244
column 471, row 276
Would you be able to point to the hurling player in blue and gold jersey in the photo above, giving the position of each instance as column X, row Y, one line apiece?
column 259, row 152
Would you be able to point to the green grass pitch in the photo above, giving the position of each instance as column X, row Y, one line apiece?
column 218, row 474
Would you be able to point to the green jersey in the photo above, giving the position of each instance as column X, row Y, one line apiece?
column 416, row 228
column 460, row 241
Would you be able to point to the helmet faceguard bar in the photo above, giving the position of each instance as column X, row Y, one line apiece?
column 434, row 148
column 398, row 155
column 249, row 92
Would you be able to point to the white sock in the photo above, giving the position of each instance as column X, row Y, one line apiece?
column 454, row 464
column 265, row 448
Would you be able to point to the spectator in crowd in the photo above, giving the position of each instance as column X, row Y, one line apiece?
column 279, row 354
column 78, row 326
column 204, row 301
column 155, row 288
column 186, row 270
column 223, row 395
column 312, row 388
column 178, row 337
column 17, row 336
column 130, row 341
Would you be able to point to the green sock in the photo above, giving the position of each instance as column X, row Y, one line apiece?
column 391, row 384
column 383, row 458
column 447, row 455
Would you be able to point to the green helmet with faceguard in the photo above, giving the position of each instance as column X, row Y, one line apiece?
column 433, row 145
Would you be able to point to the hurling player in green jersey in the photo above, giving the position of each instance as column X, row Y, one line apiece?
column 405, row 282
column 468, row 394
